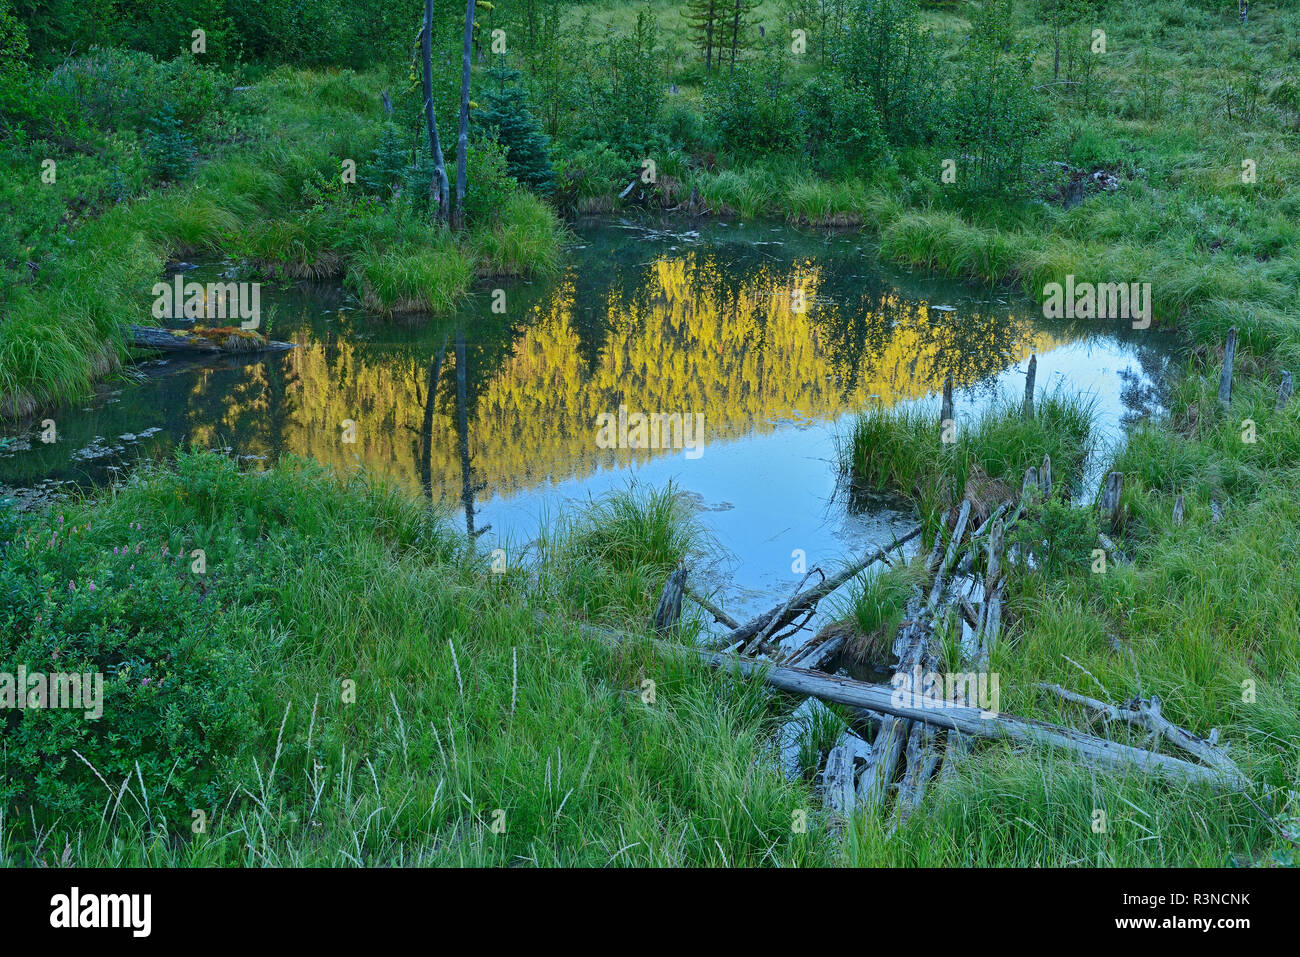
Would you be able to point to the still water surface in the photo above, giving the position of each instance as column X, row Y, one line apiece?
column 776, row 336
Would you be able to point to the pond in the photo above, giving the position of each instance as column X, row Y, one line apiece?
column 745, row 347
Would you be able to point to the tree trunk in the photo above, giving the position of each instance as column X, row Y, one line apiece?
column 462, row 139
column 439, row 183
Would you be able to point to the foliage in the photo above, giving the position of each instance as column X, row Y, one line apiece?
column 887, row 56
column 1060, row 537
column 623, row 95
column 753, row 111
column 490, row 181
column 996, row 117
column 168, row 151
column 844, row 133
column 505, row 114
column 119, row 599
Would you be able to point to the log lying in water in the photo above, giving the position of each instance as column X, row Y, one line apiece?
column 1098, row 752
column 787, row 612
column 227, row 339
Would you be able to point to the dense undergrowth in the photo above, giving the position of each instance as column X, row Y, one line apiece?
column 464, row 704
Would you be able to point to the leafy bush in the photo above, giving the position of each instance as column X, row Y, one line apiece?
column 123, row 603
column 888, row 57
column 489, row 183
column 13, row 64
column 115, row 89
column 1059, row 537
column 623, row 93
column 590, row 171
column 844, row 130
column 753, row 111
column 996, row 117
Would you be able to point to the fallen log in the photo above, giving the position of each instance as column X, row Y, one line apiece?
column 911, row 646
column 210, row 341
column 718, row 614
column 789, row 610
column 756, row 645
column 976, row 722
column 1146, row 713
column 838, row 780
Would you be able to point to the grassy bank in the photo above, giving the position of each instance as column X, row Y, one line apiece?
column 1202, row 614
column 347, row 681
column 348, row 684
column 268, row 192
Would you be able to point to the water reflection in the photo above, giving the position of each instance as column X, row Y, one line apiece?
column 773, row 335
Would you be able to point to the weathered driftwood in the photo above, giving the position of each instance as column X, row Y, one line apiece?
column 987, row 631
column 1146, row 713
column 166, row 340
column 923, row 753
column 1045, row 477
column 1225, row 380
column 816, row 655
column 785, row 613
column 911, row 646
column 823, row 648
column 946, row 411
column 1284, row 391
column 976, row 722
column 1029, row 386
column 839, row 780
column 950, row 554
column 718, row 614
column 968, row 612
column 1111, row 549
column 991, row 626
column 1028, row 489
column 755, row 644
column 670, row 602
column 1111, row 495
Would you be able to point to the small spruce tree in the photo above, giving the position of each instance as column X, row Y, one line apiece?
column 505, row 113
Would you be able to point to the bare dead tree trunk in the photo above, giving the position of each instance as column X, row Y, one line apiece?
column 462, row 139
column 439, row 182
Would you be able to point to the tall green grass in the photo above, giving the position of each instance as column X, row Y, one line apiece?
column 902, row 448
column 275, row 201
column 478, row 702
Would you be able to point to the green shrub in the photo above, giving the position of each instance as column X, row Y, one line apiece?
column 116, row 89
column 753, row 110
column 123, row 603
column 622, row 94
column 489, row 184
column 996, row 117
column 844, row 133
column 1058, row 536
column 888, row 57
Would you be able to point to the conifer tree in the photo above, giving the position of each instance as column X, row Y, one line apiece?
column 706, row 21
column 505, row 112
